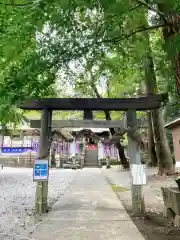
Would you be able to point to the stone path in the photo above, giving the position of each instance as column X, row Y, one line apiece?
column 151, row 191
column 89, row 209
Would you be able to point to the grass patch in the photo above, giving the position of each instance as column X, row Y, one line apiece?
column 117, row 188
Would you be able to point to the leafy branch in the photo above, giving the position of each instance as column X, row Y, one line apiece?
column 139, row 30
column 16, row 5
column 81, row 50
column 135, row 7
column 146, row 4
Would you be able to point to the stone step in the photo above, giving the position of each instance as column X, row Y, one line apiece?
column 71, row 166
column 94, row 160
column 95, row 164
column 90, row 162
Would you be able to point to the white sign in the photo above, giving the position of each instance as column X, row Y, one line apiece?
column 41, row 170
column 138, row 174
column 177, row 164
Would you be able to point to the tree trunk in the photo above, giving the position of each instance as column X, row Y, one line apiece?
column 120, row 148
column 151, row 145
column 165, row 161
column 163, row 153
column 171, row 33
column 53, row 159
column 122, row 155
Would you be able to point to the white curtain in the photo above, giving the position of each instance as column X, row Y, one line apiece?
column 100, row 151
column 72, row 149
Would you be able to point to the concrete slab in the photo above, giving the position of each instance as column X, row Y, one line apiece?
column 89, row 209
column 76, row 230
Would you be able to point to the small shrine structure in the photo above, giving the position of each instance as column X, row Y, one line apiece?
column 174, row 127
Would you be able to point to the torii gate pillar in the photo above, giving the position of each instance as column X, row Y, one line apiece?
column 41, row 203
column 138, row 206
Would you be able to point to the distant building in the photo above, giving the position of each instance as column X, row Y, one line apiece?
column 174, row 126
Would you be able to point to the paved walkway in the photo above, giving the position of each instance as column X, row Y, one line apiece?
column 88, row 210
column 152, row 190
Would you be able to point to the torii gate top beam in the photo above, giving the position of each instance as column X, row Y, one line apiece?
column 87, row 124
column 103, row 104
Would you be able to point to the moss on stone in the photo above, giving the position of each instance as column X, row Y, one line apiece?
column 117, row 188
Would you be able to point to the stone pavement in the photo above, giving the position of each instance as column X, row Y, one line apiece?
column 151, row 191
column 88, row 210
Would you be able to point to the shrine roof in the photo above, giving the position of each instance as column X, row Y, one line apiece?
column 173, row 124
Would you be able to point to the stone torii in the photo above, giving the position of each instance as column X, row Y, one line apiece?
column 130, row 105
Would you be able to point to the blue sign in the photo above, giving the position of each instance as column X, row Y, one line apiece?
column 41, row 170
column 16, row 149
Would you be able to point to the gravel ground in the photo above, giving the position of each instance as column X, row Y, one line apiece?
column 17, row 196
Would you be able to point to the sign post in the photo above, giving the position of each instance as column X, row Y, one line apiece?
column 41, row 170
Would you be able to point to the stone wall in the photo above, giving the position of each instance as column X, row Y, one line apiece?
column 176, row 142
column 171, row 197
column 21, row 161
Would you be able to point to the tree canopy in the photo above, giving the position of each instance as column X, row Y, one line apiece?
column 77, row 42
column 96, row 48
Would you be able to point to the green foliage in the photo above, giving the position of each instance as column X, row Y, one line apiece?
column 96, row 46
column 23, row 72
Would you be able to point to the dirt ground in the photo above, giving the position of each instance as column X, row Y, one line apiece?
column 153, row 225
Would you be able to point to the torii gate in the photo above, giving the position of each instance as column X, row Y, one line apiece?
column 130, row 105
